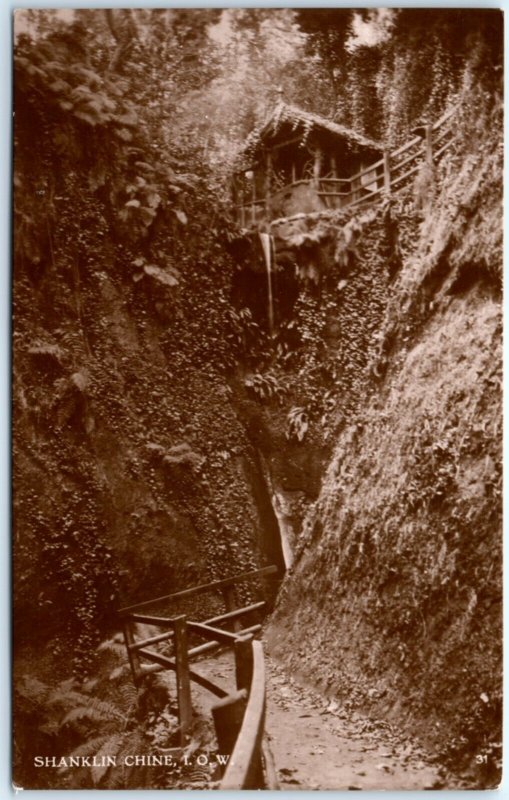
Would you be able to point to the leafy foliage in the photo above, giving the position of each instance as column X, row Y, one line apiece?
column 102, row 205
column 375, row 60
column 264, row 386
column 298, row 422
column 101, row 717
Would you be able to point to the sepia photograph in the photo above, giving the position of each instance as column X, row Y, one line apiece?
column 257, row 398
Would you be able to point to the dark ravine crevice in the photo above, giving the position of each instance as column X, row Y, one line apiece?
column 285, row 527
column 269, row 542
column 200, row 393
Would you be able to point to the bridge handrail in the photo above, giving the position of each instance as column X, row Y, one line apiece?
column 245, row 762
column 202, row 589
column 241, row 710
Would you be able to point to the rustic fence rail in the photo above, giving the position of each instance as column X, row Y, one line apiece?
column 245, row 768
column 240, row 713
column 389, row 175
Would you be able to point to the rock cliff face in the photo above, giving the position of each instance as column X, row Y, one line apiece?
column 134, row 474
column 178, row 425
column 150, row 481
column 394, row 599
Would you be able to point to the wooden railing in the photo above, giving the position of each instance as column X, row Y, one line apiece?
column 240, row 719
column 240, row 714
column 389, row 175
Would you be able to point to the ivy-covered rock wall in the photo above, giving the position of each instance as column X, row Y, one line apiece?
column 332, row 277
column 133, row 472
column 395, row 592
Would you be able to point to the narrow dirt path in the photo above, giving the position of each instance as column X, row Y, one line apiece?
column 318, row 745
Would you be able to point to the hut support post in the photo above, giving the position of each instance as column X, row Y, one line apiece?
column 428, row 143
column 253, row 200
column 387, row 172
column 317, row 167
column 268, row 180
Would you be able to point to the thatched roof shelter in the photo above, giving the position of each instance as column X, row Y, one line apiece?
column 297, row 161
column 288, row 122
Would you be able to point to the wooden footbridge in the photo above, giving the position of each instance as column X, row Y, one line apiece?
column 239, row 714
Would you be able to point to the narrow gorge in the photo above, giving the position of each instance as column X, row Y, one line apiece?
column 207, row 380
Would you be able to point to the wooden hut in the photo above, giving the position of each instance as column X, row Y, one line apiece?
column 299, row 162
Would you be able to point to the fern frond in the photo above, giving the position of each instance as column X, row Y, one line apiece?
column 95, row 710
column 80, row 713
column 33, row 690
column 121, row 777
column 129, row 695
column 110, row 748
column 119, row 672
column 67, row 697
column 133, row 742
column 89, row 748
column 68, row 685
column 113, row 646
column 108, row 709
column 117, row 777
column 50, row 728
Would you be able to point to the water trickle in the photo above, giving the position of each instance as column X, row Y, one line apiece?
column 267, row 241
column 285, row 530
column 280, row 509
